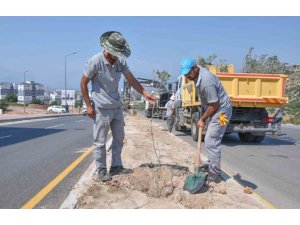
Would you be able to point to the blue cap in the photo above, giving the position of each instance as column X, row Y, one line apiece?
column 186, row 65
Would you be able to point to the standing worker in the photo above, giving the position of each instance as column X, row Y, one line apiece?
column 170, row 113
column 277, row 120
column 216, row 107
column 104, row 70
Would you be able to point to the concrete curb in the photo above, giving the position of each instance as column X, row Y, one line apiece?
column 37, row 117
column 81, row 186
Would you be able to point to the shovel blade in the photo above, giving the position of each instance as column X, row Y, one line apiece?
column 194, row 183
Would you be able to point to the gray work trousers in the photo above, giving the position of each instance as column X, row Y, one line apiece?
column 105, row 119
column 170, row 122
column 277, row 122
column 213, row 138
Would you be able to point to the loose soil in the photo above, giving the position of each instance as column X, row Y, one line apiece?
column 160, row 167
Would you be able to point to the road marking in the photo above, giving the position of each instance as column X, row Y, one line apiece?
column 49, row 187
column 79, row 121
column 55, row 126
column 5, row 136
column 25, row 121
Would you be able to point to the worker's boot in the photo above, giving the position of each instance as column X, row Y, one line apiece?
column 117, row 170
column 103, row 175
column 204, row 168
column 212, row 177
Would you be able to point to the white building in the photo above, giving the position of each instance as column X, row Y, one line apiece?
column 70, row 97
column 55, row 96
column 30, row 90
column 6, row 88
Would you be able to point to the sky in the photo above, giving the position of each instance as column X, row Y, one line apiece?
column 40, row 44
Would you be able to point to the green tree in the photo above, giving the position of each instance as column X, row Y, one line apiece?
column 206, row 61
column 3, row 104
column 11, row 97
column 263, row 64
column 162, row 76
column 36, row 101
column 55, row 103
column 78, row 103
column 212, row 60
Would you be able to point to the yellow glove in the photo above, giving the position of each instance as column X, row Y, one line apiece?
column 223, row 119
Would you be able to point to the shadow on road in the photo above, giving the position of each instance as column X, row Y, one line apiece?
column 14, row 135
column 243, row 182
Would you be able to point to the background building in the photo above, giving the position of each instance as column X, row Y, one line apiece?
column 6, row 88
column 70, row 97
column 30, row 90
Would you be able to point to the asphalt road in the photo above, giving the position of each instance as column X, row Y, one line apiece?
column 271, row 168
column 34, row 153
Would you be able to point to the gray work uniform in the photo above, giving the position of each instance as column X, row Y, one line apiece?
column 170, row 118
column 277, row 120
column 210, row 90
column 109, row 115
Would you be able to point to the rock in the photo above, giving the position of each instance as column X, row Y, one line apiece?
column 248, row 190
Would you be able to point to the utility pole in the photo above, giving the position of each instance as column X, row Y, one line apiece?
column 66, row 77
column 24, row 91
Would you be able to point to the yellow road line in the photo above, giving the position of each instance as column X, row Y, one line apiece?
column 254, row 193
column 264, row 201
column 49, row 187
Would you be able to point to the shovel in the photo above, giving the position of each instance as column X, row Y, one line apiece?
column 193, row 183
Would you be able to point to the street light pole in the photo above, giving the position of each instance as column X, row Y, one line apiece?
column 24, row 91
column 66, row 76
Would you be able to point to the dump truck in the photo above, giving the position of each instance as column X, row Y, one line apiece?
column 161, row 92
column 250, row 95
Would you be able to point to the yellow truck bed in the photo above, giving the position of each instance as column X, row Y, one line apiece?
column 244, row 90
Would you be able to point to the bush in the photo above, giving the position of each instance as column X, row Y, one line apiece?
column 55, row 103
column 3, row 105
column 78, row 103
column 11, row 97
column 36, row 101
column 139, row 105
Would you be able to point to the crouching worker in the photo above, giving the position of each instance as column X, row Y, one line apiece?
column 217, row 112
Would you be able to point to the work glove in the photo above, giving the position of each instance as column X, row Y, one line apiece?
column 223, row 119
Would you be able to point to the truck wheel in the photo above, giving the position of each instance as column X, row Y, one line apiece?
column 247, row 137
column 178, row 127
column 194, row 127
column 159, row 115
column 259, row 139
column 164, row 116
column 147, row 114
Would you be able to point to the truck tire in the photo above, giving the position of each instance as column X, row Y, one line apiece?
column 147, row 114
column 178, row 127
column 164, row 116
column 194, row 127
column 259, row 139
column 160, row 115
column 246, row 137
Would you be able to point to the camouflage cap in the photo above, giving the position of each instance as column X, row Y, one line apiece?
column 115, row 44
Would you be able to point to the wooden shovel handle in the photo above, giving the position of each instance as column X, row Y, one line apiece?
column 199, row 147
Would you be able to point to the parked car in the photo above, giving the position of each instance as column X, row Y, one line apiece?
column 56, row 109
